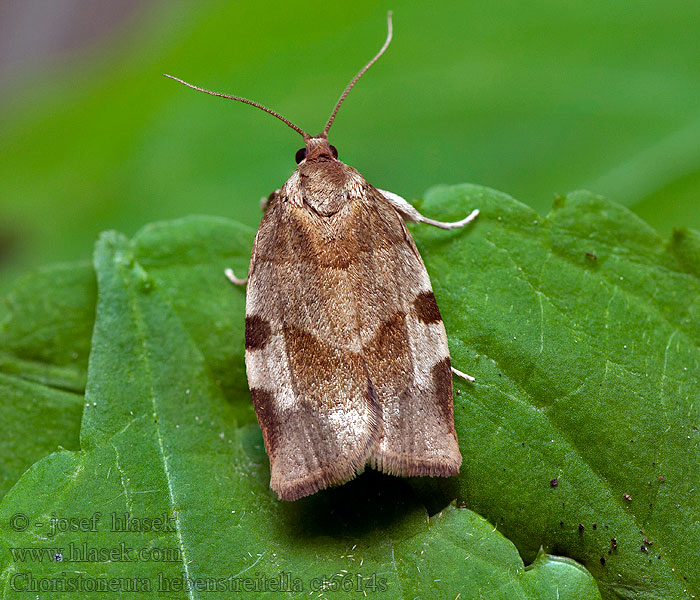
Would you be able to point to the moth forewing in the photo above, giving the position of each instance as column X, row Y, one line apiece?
column 310, row 386
column 408, row 357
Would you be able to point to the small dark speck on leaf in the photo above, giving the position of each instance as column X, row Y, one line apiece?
column 554, row 482
column 581, row 527
column 561, row 523
column 602, row 560
column 591, row 256
column 644, row 549
column 595, row 526
column 613, row 541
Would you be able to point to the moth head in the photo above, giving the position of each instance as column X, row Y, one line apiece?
column 316, row 148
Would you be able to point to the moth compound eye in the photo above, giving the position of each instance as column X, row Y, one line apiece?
column 334, row 151
column 301, row 155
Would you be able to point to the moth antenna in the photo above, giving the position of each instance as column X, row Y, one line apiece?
column 363, row 70
column 246, row 101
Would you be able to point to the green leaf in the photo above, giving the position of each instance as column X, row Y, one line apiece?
column 582, row 329
column 45, row 340
column 188, row 258
column 36, row 420
column 158, row 439
column 46, row 334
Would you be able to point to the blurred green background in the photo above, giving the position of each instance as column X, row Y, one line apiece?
column 531, row 98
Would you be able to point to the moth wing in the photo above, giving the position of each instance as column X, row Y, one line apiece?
column 310, row 385
column 405, row 348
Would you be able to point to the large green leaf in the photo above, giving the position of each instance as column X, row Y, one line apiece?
column 46, row 332
column 35, row 421
column 581, row 328
column 44, row 345
column 158, row 440
column 46, row 335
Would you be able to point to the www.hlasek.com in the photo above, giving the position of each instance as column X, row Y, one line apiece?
column 83, row 553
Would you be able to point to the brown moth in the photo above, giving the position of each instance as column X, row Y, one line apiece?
column 346, row 352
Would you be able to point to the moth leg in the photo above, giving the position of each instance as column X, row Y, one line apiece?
column 459, row 373
column 233, row 279
column 265, row 202
column 409, row 213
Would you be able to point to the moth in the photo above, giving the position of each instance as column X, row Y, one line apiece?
column 346, row 352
